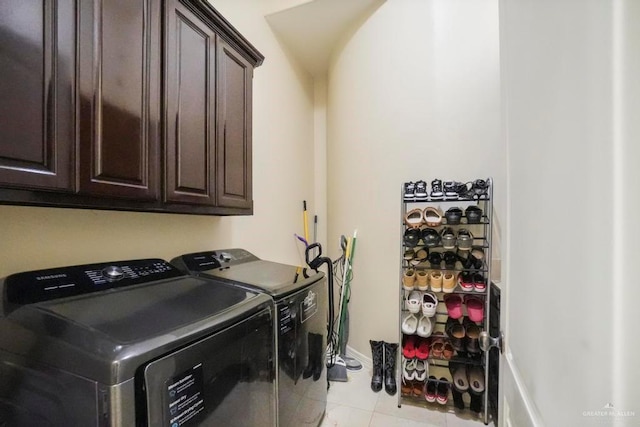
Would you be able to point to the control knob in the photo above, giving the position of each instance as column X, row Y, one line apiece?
column 113, row 273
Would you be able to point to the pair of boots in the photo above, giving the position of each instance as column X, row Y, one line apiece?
column 384, row 365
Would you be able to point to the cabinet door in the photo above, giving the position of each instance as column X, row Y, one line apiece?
column 190, row 122
column 37, row 66
column 119, row 98
column 235, row 77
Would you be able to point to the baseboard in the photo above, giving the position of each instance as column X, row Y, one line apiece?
column 366, row 361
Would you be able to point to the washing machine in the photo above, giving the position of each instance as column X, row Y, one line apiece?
column 134, row 343
column 301, row 300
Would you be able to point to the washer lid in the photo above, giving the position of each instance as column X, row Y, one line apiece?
column 106, row 335
column 245, row 269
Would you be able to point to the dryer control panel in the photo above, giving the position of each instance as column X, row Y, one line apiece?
column 211, row 260
column 44, row 285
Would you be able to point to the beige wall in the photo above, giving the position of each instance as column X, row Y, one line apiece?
column 283, row 176
column 413, row 94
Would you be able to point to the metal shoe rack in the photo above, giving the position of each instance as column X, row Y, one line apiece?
column 439, row 367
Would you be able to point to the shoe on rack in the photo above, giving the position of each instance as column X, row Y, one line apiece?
column 458, row 401
column 436, row 189
column 429, row 304
column 411, row 237
column 421, row 370
column 409, row 279
column 419, row 257
column 456, row 333
column 480, row 188
column 479, row 282
column 414, row 218
column 472, row 331
column 435, row 259
column 421, row 190
column 430, row 237
column 432, row 216
column 448, row 282
column 437, row 345
column 430, row 389
column 435, row 278
column 465, row 239
column 476, row 402
column 450, row 260
column 466, row 281
column 409, row 191
column 453, row 216
column 408, row 254
column 424, row 327
column 406, row 387
column 476, row 379
column 451, row 190
column 443, row 391
column 408, row 369
column 414, row 302
column 422, row 279
column 459, row 375
column 409, row 346
column 473, row 214
column 475, row 308
column 453, row 303
column 422, row 349
column 448, row 238
column 409, row 324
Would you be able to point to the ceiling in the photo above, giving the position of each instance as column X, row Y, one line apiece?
column 312, row 30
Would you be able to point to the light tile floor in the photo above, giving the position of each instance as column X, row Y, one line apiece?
column 353, row 404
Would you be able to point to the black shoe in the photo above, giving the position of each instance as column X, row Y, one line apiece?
column 430, row 237
column 377, row 351
column 435, row 259
column 421, row 190
column 450, row 260
column 456, row 333
column 480, row 188
column 409, row 190
column 473, row 214
column 411, row 237
column 453, row 215
column 436, row 189
column 390, row 352
column 458, row 402
column 450, row 190
column 476, row 402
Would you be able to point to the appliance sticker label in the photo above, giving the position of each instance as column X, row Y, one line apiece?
column 186, row 398
column 309, row 306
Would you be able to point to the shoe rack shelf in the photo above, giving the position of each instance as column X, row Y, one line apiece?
column 464, row 357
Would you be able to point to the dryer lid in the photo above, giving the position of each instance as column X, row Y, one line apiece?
column 245, row 269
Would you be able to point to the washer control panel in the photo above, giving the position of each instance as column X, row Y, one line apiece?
column 218, row 259
column 44, row 285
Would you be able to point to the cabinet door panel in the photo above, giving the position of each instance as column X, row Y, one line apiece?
column 190, row 132
column 37, row 66
column 235, row 75
column 120, row 97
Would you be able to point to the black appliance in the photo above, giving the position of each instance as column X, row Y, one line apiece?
column 301, row 298
column 134, row 343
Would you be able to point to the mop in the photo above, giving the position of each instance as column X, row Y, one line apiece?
column 345, row 295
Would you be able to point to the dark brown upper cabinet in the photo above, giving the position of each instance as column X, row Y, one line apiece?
column 190, row 125
column 235, row 75
column 119, row 81
column 138, row 105
column 37, row 72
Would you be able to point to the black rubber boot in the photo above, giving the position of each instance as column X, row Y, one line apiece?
column 458, row 402
column 390, row 351
column 477, row 402
column 377, row 348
